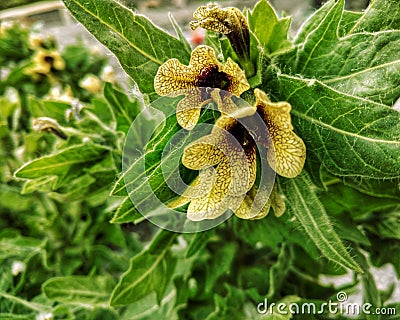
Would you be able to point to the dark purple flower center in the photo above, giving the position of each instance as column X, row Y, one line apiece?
column 211, row 77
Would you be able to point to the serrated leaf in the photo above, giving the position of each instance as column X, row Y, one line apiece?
column 333, row 124
column 64, row 164
column 308, row 210
column 150, row 271
column 84, row 291
column 139, row 45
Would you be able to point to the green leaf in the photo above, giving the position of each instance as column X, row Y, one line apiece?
column 65, row 164
column 18, row 246
column 84, row 291
column 219, row 265
column 139, row 45
column 376, row 188
column 308, row 210
column 47, row 108
column 384, row 251
column 124, row 108
column 150, row 271
column 380, row 15
column 273, row 34
column 272, row 232
column 333, row 124
column 199, row 240
column 102, row 113
column 126, row 212
column 349, row 19
column 342, row 89
column 146, row 176
column 148, row 308
column 341, row 199
column 364, row 65
column 385, row 224
column 44, row 184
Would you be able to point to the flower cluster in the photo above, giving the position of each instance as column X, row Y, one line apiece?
column 227, row 157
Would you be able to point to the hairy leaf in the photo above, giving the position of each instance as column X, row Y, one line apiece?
column 139, row 45
column 308, row 210
column 341, row 87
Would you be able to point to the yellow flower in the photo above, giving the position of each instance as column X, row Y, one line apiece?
column 91, row 83
column 44, row 61
column 203, row 71
column 289, row 150
column 228, row 21
column 226, row 159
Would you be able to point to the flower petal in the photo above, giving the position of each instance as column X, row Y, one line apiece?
column 202, row 153
column 256, row 204
column 289, row 153
column 239, row 82
column 189, row 108
column 173, row 75
column 210, row 17
column 289, row 156
column 228, row 107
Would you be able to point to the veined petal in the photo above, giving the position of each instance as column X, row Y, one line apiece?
column 202, row 153
column 239, row 82
column 189, row 108
column 277, row 202
column 289, row 150
column 228, row 107
column 228, row 21
column 212, row 204
column 256, row 204
column 211, row 17
column 290, row 153
column 173, row 76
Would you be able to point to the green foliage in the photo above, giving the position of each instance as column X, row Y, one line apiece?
column 140, row 46
column 61, row 187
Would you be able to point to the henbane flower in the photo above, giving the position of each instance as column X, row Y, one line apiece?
column 233, row 184
column 204, row 71
column 228, row 21
column 230, row 151
column 45, row 61
column 290, row 151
